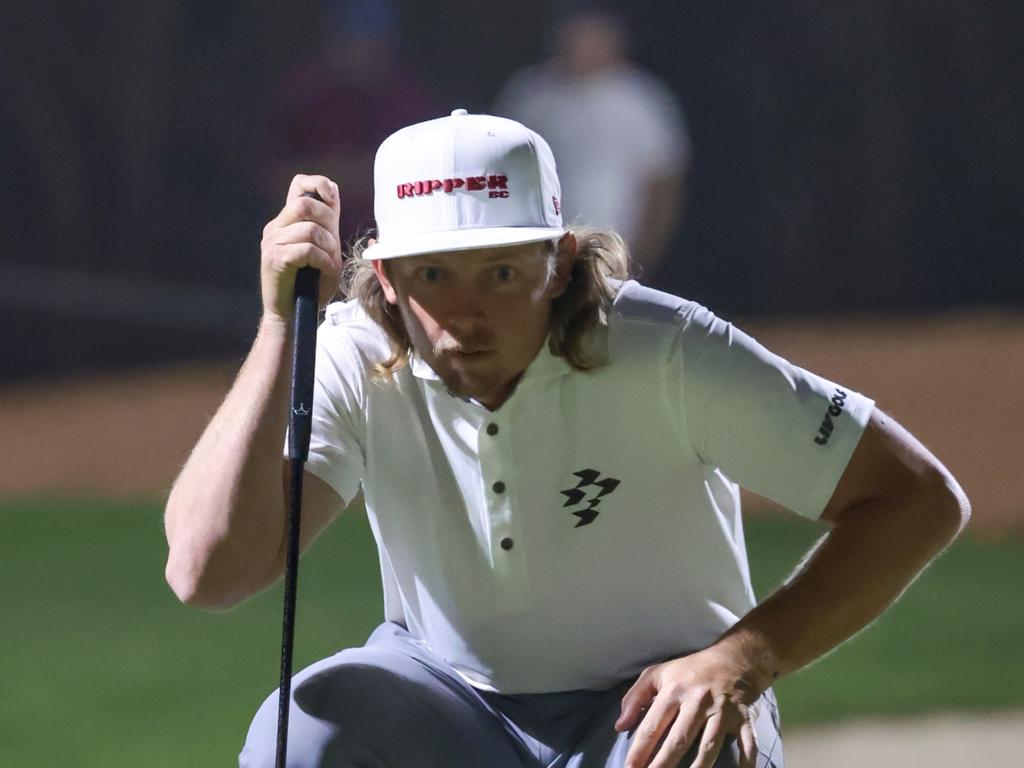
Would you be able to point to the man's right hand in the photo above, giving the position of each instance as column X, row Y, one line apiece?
column 304, row 234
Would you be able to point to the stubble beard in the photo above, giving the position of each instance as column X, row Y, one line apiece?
column 483, row 385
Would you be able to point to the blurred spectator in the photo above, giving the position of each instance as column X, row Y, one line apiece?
column 330, row 111
column 617, row 133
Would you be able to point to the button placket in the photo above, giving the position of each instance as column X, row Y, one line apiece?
column 493, row 465
column 496, row 465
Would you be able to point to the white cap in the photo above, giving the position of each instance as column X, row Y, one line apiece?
column 461, row 182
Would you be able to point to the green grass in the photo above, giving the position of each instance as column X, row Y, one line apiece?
column 101, row 666
column 952, row 642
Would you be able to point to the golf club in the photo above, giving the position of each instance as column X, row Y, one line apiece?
column 300, row 418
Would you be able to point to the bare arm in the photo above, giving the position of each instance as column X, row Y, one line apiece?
column 225, row 517
column 895, row 508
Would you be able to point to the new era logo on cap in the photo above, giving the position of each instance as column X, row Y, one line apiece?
column 463, row 182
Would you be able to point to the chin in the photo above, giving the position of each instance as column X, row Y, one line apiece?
column 471, row 387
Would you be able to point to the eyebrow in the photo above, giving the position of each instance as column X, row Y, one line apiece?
column 439, row 259
column 499, row 256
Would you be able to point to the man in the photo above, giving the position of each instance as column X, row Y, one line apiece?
column 617, row 130
column 549, row 456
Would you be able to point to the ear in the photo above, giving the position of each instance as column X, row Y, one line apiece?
column 385, row 281
column 565, row 258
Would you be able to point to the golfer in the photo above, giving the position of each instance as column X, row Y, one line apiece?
column 550, row 456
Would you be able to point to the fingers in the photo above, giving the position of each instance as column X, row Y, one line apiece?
column 672, row 724
column 325, row 213
column 747, row 740
column 304, row 233
column 301, row 244
column 651, row 730
column 636, row 700
column 680, row 736
column 323, row 254
column 307, row 220
column 710, row 742
column 308, row 232
column 287, row 259
column 323, row 186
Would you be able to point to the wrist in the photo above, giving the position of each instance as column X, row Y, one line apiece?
column 756, row 662
column 274, row 324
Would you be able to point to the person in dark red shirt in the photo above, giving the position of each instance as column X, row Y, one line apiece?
column 329, row 111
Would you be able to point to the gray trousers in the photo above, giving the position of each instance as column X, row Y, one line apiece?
column 395, row 704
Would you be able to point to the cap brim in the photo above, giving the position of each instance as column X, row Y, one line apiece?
column 460, row 240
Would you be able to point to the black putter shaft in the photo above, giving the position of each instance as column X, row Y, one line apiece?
column 300, row 419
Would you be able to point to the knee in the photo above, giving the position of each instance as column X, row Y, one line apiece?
column 356, row 697
column 260, row 748
column 307, row 734
column 334, row 709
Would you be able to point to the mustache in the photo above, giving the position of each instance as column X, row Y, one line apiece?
column 448, row 343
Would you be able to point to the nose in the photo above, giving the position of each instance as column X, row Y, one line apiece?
column 465, row 308
column 466, row 319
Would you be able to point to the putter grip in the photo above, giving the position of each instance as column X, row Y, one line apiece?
column 300, row 419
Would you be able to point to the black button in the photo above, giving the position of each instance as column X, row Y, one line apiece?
column 498, row 487
column 507, row 543
column 492, row 429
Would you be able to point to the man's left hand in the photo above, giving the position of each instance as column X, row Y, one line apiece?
column 704, row 695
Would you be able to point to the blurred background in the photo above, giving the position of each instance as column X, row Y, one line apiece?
column 844, row 181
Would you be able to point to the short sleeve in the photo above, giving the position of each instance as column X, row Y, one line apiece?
column 771, row 426
column 338, row 431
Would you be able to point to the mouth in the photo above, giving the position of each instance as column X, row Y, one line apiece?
column 469, row 354
column 465, row 350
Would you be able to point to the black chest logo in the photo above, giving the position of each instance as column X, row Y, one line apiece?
column 590, row 489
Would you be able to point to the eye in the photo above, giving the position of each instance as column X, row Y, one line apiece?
column 430, row 274
column 504, row 273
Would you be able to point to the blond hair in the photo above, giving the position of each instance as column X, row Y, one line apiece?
column 601, row 255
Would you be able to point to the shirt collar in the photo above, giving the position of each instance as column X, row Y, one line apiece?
column 546, row 365
column 421, row 368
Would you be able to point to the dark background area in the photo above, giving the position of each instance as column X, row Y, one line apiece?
column 848, row 158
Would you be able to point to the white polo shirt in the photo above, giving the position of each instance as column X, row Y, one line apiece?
column 591, row 525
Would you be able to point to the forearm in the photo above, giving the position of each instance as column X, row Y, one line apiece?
column 849, row 579
column 225, row 514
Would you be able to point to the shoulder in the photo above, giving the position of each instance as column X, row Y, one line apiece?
column 648, row 86
column 642, row 86
column 527, row 76
column 652, row 105
column 348, row 335
column 349, row 316
column 636, row 304
column 643, row 321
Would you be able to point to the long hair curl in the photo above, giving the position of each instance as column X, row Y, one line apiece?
column 601, row 257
